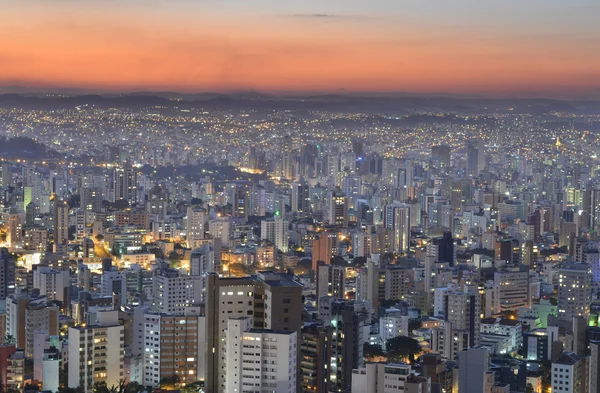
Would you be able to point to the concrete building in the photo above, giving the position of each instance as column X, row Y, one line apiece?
column 381, row 378
column 51, row 283
column 260, row 359
column 392, row 323
column 463, row 311
column 331, row 281
column 114, row 282
column 513, row 289
column 275, row 230
column 172, row 345
column 96, row 353
column 196, row 225
column 39, row 318
column 61, row 223
column 174, row 291
column 315, row 354
column 473, row 364
column 347, row 319
column 270, row 299
column 574, row 292
column 570, row 374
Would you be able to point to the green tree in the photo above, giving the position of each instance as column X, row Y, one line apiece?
column 401, row 348
column 372, row 350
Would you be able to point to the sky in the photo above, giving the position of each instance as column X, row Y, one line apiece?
column 541, row 48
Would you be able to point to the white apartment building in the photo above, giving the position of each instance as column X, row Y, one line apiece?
column 574, row 292
column 276, row 231
column 392, row 324
column 380, row 378
column 196, row 223
column 569, row 373
column 96, row 353
column 114, row 281
column 258, row 359
column 50, row 282
column 173, row 292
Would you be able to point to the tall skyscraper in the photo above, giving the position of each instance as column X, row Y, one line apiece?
column 322, row 248
column 300, row 199
column 271, row 300
column 347, row 319
column 475, row 156
column 315, row 354
column 125, row 185
column 7, row 274
column 397, row 221
column 338, row 210
column 61, row 223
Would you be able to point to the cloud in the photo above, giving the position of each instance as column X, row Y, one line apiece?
column 318, row 16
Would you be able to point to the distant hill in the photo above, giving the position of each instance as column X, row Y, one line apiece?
column 372, row 103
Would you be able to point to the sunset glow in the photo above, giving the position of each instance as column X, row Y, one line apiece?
column 491, row 47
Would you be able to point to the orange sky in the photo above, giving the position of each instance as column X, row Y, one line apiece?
column 185, row 47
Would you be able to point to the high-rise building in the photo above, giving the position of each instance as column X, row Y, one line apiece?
column 275, row 230
column 7, row 274
column 260, row 359
column 39, row 318
column 91, row 199
column 397, row 221
column 574, row 291
column 61, row 223
column 241, row 202
column 300, row 199
column 171, row 346
column 220, row 228
column 513, row 289
column 271, row 300
column 382, row 378
column 174, row 292
column 114, row 282
column 125, row 185
column 443, row 249
column 475, row 156
column 473, row 364
column 14, row 235
column 196, row 223
column 347, row 319
column 315, row 354
column 202, row 262
column 594, row 363
column 463, row 310
column 5, row 175
column 331, row 281
column 570, row 374
column 99, row 354
column 322, row 250
column 338, row 210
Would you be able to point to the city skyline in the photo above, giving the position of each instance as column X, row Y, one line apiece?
column 497, row 49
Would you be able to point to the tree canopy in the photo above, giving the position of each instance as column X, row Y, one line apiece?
column 401, row 348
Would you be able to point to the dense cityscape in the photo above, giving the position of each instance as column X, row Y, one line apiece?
column 264, row 244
